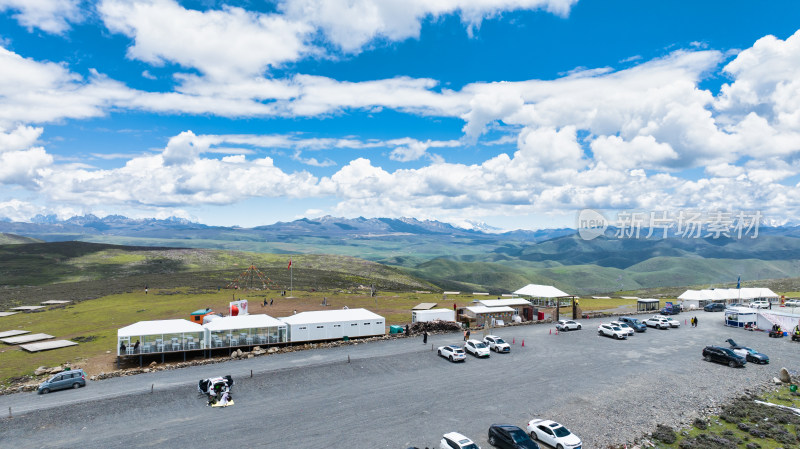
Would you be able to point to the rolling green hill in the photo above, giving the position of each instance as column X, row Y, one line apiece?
column 13, row 239
column 80, row 270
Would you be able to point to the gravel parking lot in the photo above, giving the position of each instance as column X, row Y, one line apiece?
column 395, row 394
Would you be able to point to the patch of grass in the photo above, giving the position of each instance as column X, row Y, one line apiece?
column 743, row 424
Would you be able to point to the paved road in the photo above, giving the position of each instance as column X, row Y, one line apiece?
column 398, row 393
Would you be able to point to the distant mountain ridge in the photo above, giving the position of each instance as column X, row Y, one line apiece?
column 455, row 258
column 43, row 225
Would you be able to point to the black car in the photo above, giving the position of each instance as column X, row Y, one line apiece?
column 635, row 324
column 510, row 437
column 714, row 307
column 723, row 355
column 750, row 354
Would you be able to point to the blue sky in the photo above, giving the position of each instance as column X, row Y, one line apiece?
column 517, row 113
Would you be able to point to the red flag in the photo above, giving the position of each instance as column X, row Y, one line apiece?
column 290, row 264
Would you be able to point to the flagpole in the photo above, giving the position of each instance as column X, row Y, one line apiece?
column 291, row 278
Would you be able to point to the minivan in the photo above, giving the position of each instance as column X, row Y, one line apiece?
column 75, row 378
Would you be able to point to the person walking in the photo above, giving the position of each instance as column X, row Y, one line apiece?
column 406, row 330
column 695, row 321
column 467, row 335
column 424, row 337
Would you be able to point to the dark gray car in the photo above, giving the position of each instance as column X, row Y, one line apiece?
column 75, row 378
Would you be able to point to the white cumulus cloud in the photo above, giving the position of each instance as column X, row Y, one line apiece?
column 52, row 16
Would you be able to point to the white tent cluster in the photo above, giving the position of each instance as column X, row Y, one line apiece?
column 728, row 294
column 246, row 330
column 696, row 299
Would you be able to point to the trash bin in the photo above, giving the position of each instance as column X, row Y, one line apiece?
column 346, row 338
column 394, row 329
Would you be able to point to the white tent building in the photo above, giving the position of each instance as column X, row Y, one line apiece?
column 160, row 336
column 786, row 320
column 541, row 291
column 696, row 299
column 244, row 330
column 334, row 324
column 544, row 295
column 700, row 298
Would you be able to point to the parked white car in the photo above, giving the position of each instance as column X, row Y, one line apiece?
column 496, row 344
column 761, row 304
column 657, row 321
column 624, row 327
column 673, row 322
column 568, row 325
column 477, row 348
column 612, row 331
column 553, row 434
column 455, row 440
column 792, row 303
column 453, row 353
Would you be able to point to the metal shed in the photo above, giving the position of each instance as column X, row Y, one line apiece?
column 432, row 315
column 334, row 324
column 648, row 304
column 522, row 307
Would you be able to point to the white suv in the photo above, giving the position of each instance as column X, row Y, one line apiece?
column 453, row 353
column 455, row 440
column 623, row 326
column 759, row 304
column 477, row 348
column 610, row 330
column 792, row 303
column 657, row 321
column 496, row 344
column 568, row 325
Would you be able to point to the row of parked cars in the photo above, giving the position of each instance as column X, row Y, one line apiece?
column 478, row 348
column 508, row 436
column 760, row 304
column 623, row 327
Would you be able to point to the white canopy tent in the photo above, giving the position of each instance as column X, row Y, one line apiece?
column 542, row 291
column 544, row 295
column 696, row 299
column 160, row 336
column 787, row 321
column 244, row 330
column 703, row 297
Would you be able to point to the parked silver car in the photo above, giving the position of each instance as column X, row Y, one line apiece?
column 568, row 325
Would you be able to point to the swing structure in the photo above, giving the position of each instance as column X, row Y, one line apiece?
column 252, row 279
